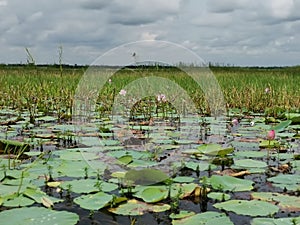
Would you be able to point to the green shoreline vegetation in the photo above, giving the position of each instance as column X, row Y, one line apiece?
column 50, row 88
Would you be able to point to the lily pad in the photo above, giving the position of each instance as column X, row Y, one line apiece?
column 93, row 201
column 76, row 155
column 206, row 218
column 228, row 183
column 248, row 208
column 288, row 181
column 137, row 208
column 279, row 221
column 17, row 201
column 250, row 154
column 214, row 150
column 37, row 216
column 37, row 195
column 126, row 159
column 88, row 186
column 249, row 163
column 202, row 166
column 153, row 194
column 268, row 144
column 182, row 214
column 286, row 202
column 183, row 179
column 146, row 176
column 218, row 196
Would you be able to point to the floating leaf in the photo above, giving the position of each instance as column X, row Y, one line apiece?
column 279, row 221
column 37, row 216
column 77, row 168
column 93, row 201
column 37, row 195
column 182, row 179
column 228, row 183
column 202, row 166
column 145, row 176
column 137, row 208
column 142, row 163
column 249, row 163
column 153, row 194
column 248, row 208
column 268, row 144
column 76, row 155
column 206, row 218
column 88, row 186
column 182, row 214
column 17, row 201
column 250, row 154
column 214, row 150
column 219, row 196
column 126, row 159
column 185, row 190
column 288, row 181
column 288, row 202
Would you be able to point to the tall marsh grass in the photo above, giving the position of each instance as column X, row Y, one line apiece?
column 50, row 89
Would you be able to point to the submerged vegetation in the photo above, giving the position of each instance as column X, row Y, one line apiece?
column 155, row 166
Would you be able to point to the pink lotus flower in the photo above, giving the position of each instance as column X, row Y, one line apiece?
column 235, row 122
column 161, row 98
column 271, row 135
column 123, row 92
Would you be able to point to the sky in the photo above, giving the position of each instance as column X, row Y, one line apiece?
column 235, row 32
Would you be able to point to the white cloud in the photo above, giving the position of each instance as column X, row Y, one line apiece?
column 148, row 36
column 238, row 32
column 3, row 3
column 282, row 8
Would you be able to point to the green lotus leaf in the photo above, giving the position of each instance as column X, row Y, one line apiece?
column 279, row 221
column 288, row 181
column 126, row 159
column 146, row 176
column 137, row 208
column 93, row 201
column 219, row 196
column 249, row 163
column 153, row 194
column 287, row 202
column 16, row 200
column 182, row 214
column 206, row 218
column 250, row 154
column 88, row 186
column 282, row 126
column 228, row 183
column 36, row 194
column 268, row 144
column 248, row 208
column 37, row 216
column 183, row 179
column 76, row 155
